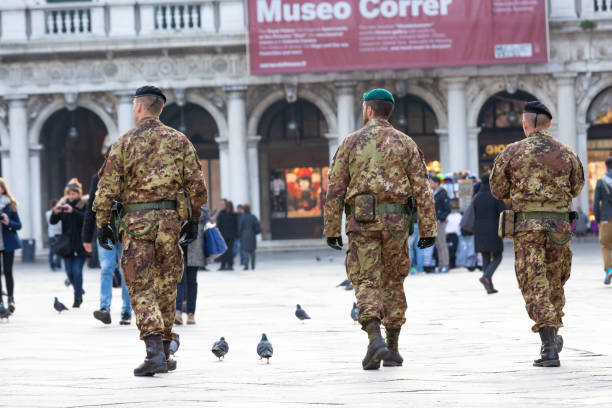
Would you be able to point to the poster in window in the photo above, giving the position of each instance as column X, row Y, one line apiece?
column 303, row 192
column 278, row 194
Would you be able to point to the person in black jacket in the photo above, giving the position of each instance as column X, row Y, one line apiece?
column 443, row 209
column 108, row 261
column 227, row 222
column 602, row 210
column 486, row 214
column 70, row 210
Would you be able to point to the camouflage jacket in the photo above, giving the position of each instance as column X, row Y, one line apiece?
column 149, row 163
column 538, row 173
column 384, row 162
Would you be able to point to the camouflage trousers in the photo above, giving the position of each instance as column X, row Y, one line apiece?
column 377, row 264
column 542, row 268
column 153, row 266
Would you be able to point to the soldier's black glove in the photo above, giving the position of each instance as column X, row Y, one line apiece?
column 106, row 234
column 189, row 233
column 335, row 243
column 426, row 242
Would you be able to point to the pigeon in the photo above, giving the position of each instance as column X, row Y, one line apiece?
column 175, row 343
column 220, row 348
column 264, row 348
column 355, row 312
column 4, row 314
column 59, row 306
column 318, row 258
column 349, row 286
column 301, row 313
column 343, row 283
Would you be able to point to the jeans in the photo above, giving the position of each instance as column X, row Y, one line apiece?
column 188, row 286
column 7, row 267
column 55, row 261
column 443, row 256
column 417, row 258
column 490, row 262
column 74, row 270
column 108, row 259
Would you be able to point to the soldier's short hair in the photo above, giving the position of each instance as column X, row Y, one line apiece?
column 152, row 104
column 381, row 108
column 540, row 123
column 609, row 163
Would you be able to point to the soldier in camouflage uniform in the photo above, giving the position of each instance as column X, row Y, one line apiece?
column 146, row 168
column 375, row 172
column 540, row 176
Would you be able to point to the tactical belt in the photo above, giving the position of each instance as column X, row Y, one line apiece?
column 128, row 208
column 384, row 209
column 544, row 215
column 158, row 205
column 541, row 215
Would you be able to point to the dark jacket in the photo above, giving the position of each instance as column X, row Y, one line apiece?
column 602, row 199
column 9, row 232
column 89, row 232
column 72, row 223
column 228, row 225
column 486, row 213
column 442, row 204
column 248, row 229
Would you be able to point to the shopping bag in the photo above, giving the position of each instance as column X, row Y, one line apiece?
column 214, row 244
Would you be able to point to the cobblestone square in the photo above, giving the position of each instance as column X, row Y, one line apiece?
column 461, row 347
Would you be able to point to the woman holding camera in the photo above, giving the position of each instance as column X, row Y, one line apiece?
column 9, row 241
column 70, row 210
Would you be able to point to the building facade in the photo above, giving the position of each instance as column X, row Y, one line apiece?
column 68, row 70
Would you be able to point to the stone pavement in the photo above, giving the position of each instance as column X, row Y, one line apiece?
column 462, row 348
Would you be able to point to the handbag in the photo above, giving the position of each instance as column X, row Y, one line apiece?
column 214, row 244
column 468, row 220
column 63, row 246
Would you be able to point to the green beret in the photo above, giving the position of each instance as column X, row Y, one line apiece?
column 378, row 95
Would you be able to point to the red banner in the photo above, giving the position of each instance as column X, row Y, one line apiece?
column 345, row 35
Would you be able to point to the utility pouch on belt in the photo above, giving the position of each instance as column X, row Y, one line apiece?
column 506, row 224
column 183, row 206
column 365, row 208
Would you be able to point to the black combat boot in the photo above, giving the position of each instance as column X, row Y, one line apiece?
column 558, row 341
column 170, row 361
column 155, row 362
column 549, row 355
column 394, row 358
column 377, row 349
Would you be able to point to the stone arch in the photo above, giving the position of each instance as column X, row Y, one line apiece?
column 475, row 106
column 59, row 104
column 592, row 93
column 208, row 106
column 270, row 99
column 438, row 106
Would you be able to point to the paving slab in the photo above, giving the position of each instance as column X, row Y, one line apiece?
column 461, row 347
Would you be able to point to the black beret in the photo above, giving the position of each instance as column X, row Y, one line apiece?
column 537, row 107
column 149, row 90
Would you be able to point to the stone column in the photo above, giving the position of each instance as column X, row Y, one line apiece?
column 332, row 139
column 253, row 154
column 473, row 151
column 125, row 118
column 582, row 150
column 457, row 124
column 224, row 165
column 35, row 195
column 20, row 161
column 346, row 108
column 443, row 143
column 237, row 140
column 566, row 109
